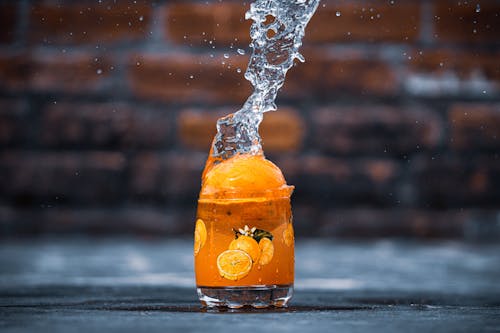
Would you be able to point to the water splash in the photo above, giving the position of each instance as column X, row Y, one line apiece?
column 276, row 34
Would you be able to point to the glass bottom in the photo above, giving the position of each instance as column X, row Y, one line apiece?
column 260, row 296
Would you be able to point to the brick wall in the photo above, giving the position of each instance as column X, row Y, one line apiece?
column 390, row 128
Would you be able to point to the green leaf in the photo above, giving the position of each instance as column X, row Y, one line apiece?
column 259, row 234
column 236, row 233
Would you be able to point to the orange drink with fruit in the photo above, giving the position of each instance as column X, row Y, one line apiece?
column 244, row 242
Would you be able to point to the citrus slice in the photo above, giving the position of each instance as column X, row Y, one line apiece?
column 200, row 236
column 266, row 251
column 288, row 235
column 247, row 244
column 234, row 264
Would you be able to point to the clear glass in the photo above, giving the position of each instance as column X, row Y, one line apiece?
column 244, row 252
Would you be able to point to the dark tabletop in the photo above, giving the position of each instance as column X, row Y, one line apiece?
column 127, row 285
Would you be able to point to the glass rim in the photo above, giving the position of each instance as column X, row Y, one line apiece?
column 284, row 192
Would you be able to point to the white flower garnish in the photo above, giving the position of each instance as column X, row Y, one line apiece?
column 246, row 231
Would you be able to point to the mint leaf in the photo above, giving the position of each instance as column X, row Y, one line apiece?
column 259, row 234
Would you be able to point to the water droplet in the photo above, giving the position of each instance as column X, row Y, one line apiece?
column 191, row 76
column 238, row 70
column 240, row 51
column 338, row 14
column 141, row 18
column 226, row 55
column 99, row 71
column 478, row 8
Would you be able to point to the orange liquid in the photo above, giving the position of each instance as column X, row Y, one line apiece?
column 247, row 192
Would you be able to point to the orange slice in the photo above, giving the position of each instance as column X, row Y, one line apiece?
column 266, row 251
column 234, row 264
column 288, row 236
column 200, row 236
column 247, row 244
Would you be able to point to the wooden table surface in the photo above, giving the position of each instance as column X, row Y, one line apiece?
column 133, row 285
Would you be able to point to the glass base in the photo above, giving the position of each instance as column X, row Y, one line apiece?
column 260, row 296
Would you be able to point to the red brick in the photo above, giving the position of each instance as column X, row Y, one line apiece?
column 32, row 177
column 197, row 127
column 464, row 64
column 376, row 129
column 15, row 71
column 369, row 223
column 324, row 181
column 145, row 221
column 189, row 78
column 458, row 181
column 8, row 20
column 91, row 22
column 281, row 131
column 475, row 126
column 72, row 73
column 306, row 218
column 200, row 23
column 323, row 76
column 169, row 177
column 364, row 21
column 13, row 129
column 103, row 125
column 460, row 21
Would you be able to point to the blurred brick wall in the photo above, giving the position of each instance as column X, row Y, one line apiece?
column 390, row 128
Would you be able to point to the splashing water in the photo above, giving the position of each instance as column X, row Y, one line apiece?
column 276, row 34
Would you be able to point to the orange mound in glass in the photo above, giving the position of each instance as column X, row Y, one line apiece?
column 244, row 243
